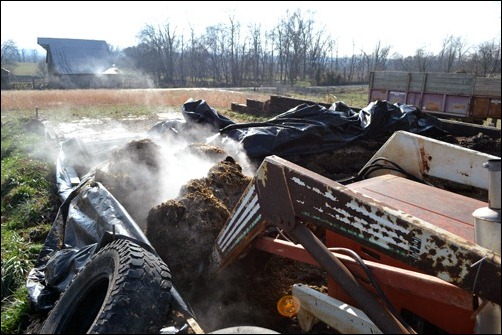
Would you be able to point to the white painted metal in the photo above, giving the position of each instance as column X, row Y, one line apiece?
column 344, row 318
column 488, row 234
column 423, row 156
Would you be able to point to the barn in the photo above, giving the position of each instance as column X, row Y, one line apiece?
column 78, row 63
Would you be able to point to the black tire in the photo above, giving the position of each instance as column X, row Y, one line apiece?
column 123, row 289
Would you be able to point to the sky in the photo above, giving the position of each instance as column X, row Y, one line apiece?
column 405, row 26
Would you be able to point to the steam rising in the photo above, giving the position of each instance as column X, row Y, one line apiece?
column 142, row 170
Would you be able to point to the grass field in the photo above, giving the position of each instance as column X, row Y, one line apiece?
column 69, row 104
column 25, row 69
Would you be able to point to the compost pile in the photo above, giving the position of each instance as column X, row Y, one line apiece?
column 130, row 185
column 183, row 230
column 481, row 143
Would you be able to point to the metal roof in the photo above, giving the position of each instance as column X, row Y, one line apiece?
column 76, row 56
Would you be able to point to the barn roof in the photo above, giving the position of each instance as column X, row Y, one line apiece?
column 76, row 56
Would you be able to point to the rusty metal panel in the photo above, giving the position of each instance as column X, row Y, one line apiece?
column 328, row 204
column 448, row 93
column 390, row 276
column 376, row 94
column 457, row 105
column 397, row 97
column 480, row 107
column 486, row 107
column 494, row 110
column 413, row 98
column 405, row 237
column 446, row 210
column 432, row 102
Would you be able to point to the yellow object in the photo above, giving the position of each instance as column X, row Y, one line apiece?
column 288, row 305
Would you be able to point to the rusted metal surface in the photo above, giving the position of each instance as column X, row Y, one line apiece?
column 375, row 309
column 484, row 107
column 446, row 210
column 243, row 226
column 369, row 222
column 421, row 285
column 443, row 304
column 394, row 232
column 450, row 94
column 271, row 183
column 422, row 156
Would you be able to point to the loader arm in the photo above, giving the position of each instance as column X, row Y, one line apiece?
column 286, row 195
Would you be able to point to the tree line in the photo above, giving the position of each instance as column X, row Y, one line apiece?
column 296, row 51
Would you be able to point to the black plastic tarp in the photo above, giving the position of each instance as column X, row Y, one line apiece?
column 310, row 129
column 89, row 215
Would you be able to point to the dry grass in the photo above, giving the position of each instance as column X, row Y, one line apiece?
column 67, row 105
column 68, row 99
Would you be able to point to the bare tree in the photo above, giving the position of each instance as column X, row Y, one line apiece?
column 268, row 57
column 256, row 52
column 421, row 60
column 10, row 54
column 488, row 57
column 215, row 41
column 152, row 45
column 452, row 51
column 164, row 43
column 182, row 62
column 403, row 63
column 234, row 34
column 295, row 26
column 319, row 51
column 380, row 56
column 196, row 65
column 376, row 61
column 34, row 56
column 294, row 50
column 171, row 42
column 299, row 46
